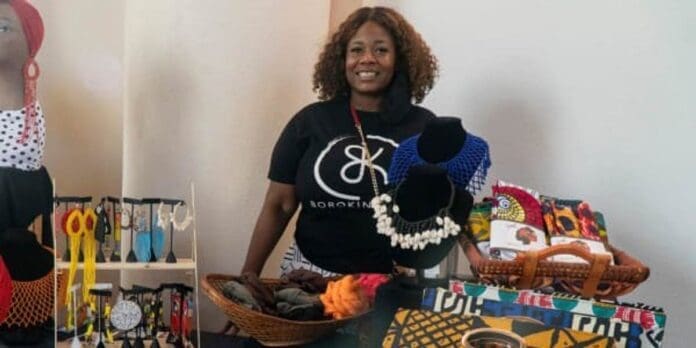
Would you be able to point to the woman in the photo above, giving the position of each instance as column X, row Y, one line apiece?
column 376, row 64
column 25, row 186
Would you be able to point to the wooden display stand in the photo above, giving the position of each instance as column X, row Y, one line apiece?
column 188, row 265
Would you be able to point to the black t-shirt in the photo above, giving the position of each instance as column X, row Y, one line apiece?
column 319, row 152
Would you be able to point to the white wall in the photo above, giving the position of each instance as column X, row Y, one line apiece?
column 589, row 99
column 209, row 86
column 82, row 93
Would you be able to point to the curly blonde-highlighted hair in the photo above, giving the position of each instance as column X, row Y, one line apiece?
column 413, row 57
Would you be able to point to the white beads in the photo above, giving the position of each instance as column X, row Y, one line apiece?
column 442, row 228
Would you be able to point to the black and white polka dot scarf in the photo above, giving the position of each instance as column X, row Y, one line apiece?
column 27, row 155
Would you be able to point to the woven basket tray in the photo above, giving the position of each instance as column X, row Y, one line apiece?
column 269, row 330
column 532, row 269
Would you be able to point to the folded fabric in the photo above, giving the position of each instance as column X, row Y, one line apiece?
column 261, row 293
column 240, row 294
column 296, row 296
column 309, row 311
column 308, row 281
column 601, row 226
column 422, row 328
column 572, row 222
column 630, row 325
column 517, row 223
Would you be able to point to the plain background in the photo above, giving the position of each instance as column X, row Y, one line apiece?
column 590, row 100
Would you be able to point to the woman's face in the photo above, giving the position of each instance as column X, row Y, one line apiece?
column 370, row 60
column 13, row 44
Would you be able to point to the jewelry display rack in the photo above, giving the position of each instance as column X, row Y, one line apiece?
column 167, row 263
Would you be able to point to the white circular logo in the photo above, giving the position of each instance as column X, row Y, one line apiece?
column 350, row 162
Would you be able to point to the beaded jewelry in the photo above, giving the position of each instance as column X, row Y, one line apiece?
column 184, row 224
column 126, row 220
column 415, row 235
column 163, row 216
column 75, row 227
column 89, row 249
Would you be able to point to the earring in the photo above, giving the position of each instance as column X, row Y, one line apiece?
column 163, row 217
column 184, row 224
column 126, row 221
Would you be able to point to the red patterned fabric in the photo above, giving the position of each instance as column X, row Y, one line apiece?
column 529, row 204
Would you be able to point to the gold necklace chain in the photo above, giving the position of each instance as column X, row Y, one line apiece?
column 366, row 150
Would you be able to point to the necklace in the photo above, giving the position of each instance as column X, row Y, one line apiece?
column 366, row 152
column 414, row 235
column 406, row 234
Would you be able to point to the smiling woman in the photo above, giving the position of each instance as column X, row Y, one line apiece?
column 370, row 72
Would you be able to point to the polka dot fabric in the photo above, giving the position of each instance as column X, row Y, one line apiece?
column 13, row 154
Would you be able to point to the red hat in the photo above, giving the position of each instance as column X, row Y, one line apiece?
column 33, row 27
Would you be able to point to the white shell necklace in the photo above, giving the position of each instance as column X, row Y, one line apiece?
column 415, row 235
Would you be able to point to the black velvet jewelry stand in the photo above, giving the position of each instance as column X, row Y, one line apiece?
column 103, row 228
column 153, row 223
column 141, row 329
column 67, row 200
column 127, row 295
column 421, row 195
column 101, row 294
column 116, row 251
column 171, row 258
column 182, row 290
column 157, row 293
column 133, row 202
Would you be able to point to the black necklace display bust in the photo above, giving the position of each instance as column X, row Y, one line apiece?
column 427, row 192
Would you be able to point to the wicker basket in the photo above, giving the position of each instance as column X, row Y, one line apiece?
column 269, row 330
column 595, row 279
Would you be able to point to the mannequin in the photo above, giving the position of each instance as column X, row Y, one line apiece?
column 444, row 142
column 426, row 190
column 442, row 138
column 25, row 187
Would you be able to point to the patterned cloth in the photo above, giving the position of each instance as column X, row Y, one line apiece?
column 570, row 221
column 479, row 224
column 468, row 169
column 629, row 325
column 517, row 223
column 422, row 328
column 294, row 260
column 26, row 156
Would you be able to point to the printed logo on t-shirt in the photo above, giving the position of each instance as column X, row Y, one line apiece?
column 341, row 170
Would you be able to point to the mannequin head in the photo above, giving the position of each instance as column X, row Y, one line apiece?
column 425, row 191
column 442, row 139
column 14, row 50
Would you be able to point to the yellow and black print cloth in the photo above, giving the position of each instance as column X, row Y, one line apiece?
column 420, row 328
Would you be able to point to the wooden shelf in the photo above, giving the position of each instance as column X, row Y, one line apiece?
column 181, row 264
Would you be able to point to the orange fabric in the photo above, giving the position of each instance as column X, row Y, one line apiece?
column 344, row 298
